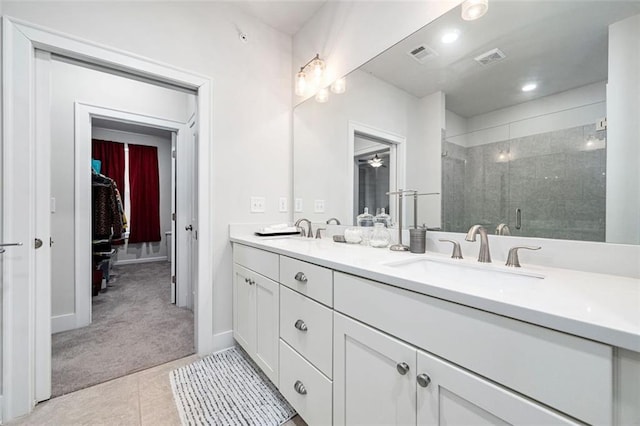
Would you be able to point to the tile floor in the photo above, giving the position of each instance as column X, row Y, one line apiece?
column 143, row 398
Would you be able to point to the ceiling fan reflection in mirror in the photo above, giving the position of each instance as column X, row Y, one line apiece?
column 374, row 161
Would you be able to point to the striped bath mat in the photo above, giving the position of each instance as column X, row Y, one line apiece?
column 227, row 388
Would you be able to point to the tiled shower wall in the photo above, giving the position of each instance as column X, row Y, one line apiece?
column 557, row 180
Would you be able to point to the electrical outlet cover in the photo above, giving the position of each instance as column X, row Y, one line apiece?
column 257, row 205
column 282, row 204
column 318, row 206
column 298, row 205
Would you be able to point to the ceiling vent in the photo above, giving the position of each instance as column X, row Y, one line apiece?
column 422, row 53
column 493, row 55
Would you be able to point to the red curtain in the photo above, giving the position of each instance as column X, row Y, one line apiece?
column 111, row 154
column 144, row 187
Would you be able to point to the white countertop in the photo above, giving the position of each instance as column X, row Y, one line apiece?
column 604, row 308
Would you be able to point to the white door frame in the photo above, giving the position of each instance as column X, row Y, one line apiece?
column 83, row 115
column 20, row 39
column 397, row 158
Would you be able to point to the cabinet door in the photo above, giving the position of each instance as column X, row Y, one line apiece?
column 244, row 311
column 453, row 396
column 267, row 325
column 374, row 377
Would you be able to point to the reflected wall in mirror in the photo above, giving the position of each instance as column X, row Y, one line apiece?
column 533, row 109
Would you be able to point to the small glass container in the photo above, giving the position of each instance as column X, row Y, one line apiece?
column 380, row 237
column 353, row 235
column 384, row 218
column 365, row 223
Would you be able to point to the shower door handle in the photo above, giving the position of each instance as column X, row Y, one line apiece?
column 518, row 218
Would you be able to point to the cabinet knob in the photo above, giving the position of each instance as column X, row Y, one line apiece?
column 300, row 276
column 403, row 368
column 252, row 282
column 299, row 387
column 246, row 280
column 423, row 380
column 300, row 325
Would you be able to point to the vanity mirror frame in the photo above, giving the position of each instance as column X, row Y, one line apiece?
column 411, row 157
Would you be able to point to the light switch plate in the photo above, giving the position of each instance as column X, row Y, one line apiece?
column 318, row 206
column 258, row 204
column 282, row 204
column 298, row 205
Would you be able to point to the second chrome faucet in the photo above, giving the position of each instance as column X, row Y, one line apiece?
column 484, row 255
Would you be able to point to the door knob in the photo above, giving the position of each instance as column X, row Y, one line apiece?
column 188, row 228
column 300, row 325
column 2, row 245
column 37, row 243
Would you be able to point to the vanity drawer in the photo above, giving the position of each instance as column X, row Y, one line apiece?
column 311, row 280
column 314, row 402
column 571, row 374
column 260, row 261
column 307, row 326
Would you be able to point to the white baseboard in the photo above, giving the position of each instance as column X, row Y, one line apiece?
column 221, row 341
column 141, row 260
column 63, row 323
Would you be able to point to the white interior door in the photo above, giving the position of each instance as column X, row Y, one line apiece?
column 45, row 207
column 172, row 247
column 194, row 218
column 184, row 228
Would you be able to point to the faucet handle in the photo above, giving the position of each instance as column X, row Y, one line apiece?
column 318, row 235
column 512, row 258
column 457, row 252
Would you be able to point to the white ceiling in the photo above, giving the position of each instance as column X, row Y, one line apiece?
column 560, row 44
column 285, row 16
column 130, row 128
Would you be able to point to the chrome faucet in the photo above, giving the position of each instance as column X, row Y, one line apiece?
column 484, row 255
column 503, row 229
column 334, row 219
column 302, row 233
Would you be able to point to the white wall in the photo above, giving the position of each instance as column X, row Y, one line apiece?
column 349, row 33
column 424, row 162
column 251, row 114
column 323, row 167
column 623, row 138
column 576, row 107
column 71, row 83
column 132, row 253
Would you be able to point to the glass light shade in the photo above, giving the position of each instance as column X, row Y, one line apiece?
column 317, row 67
column 529, row 87
column 301, row 83
column 323, row 95
column 474, row 9
column 339, row 86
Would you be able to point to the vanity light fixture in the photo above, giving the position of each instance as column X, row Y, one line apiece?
column 316, row 66
column 323, row 95
column 529, row 87
column 450, row 36
column 339, row 86
column 474, row 9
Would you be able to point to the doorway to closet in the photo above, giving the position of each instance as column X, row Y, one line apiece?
column 130, row 306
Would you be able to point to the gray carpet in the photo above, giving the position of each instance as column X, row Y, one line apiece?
column 134, row 327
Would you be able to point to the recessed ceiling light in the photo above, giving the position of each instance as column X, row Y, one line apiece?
column 529, row 87
column 450, row 36
column 474, row 9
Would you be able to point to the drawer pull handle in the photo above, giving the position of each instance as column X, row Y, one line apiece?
column 246, row 280
column 300, row 276
column 423, row 380
column 300, row 325
column 299, row 387
column 402, row 368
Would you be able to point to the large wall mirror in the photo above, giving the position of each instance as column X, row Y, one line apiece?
column 527, row 117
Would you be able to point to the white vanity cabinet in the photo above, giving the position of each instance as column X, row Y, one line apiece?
column 256, row 307
column 306, row 339
column 381, row 380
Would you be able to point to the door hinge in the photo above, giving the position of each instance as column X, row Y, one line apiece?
column 173, row 217
column 173, row 279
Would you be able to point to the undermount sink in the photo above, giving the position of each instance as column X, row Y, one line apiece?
column 454, row 271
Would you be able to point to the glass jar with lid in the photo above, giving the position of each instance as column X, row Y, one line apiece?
column 380, row 237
